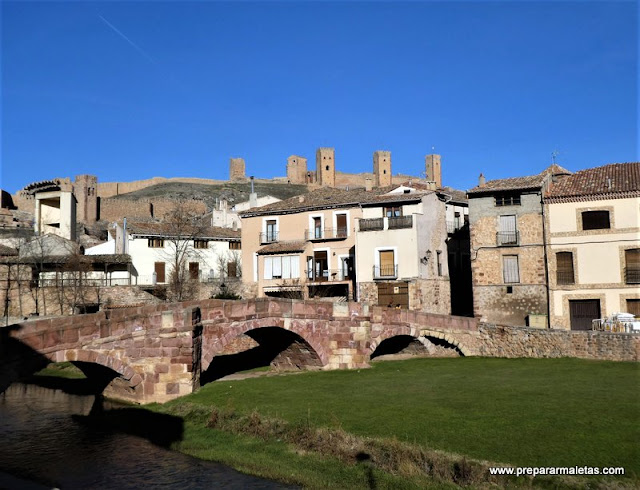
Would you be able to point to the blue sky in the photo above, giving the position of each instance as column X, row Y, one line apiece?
column 132, row 90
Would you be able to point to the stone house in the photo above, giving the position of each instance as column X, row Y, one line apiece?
column 211, row 253
column 401, row 251
column 378, row 245
column 303, row 246
column 508, row 262
column 592, row 220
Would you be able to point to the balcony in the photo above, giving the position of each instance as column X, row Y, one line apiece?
column 269, row 237
column 372, row 224
column 326, row 234
column 507, row 238
column 385, row 271
column 327, row 275
column 565, row 277
column 397, row 222
column 632, row 275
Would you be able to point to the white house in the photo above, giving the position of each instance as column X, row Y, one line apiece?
column 211, row 254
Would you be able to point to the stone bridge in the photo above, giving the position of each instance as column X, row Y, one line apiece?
column 159, row 352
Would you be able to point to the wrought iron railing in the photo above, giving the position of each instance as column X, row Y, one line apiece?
column 269, row 237
column 326, row 233
column 326, row 275
column 507, row 238
column 565, row 277
column 385, row 271
column 632, row 275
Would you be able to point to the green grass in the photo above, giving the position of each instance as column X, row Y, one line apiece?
column 527, row 412
column 61, row 370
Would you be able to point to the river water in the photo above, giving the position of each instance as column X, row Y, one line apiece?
column 47, row 442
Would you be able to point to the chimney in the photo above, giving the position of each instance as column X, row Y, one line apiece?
column 368, row 184
column 481, row 180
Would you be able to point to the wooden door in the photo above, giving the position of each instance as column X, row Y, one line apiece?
column 194, row 270
column 159, row 269
column 633, row 307
column 582, row 312
column 393, row 294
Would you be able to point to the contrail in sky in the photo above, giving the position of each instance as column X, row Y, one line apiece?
column 138, row 48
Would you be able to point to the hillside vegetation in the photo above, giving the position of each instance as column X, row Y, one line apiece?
column 234, row 192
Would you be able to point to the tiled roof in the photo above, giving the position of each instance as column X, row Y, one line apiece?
column 168, row 229
column 283, row 247
column 520, row 183
column 609, row 181
column 456, row 195
column 327, row 198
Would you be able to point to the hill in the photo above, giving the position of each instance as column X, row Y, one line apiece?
column 234, row 192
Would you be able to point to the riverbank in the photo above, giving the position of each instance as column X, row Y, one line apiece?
column 421, row 423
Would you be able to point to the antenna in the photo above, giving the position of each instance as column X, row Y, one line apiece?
column 554, row 154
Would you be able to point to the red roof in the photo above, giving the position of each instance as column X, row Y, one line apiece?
column 612, row 181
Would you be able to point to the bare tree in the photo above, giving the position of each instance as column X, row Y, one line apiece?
column 182, row 228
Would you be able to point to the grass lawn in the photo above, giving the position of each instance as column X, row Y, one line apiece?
column 525, row 412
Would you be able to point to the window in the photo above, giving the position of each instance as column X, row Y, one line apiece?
column 232, row 269
column 282, row 267
column 392, row 211
column 633, row 307
column 632, row 266
column 595, row 220
column 564, row 268
column 317, row 227
column 507, row 232
column 200, row 244
column 387, row 267
column 341, row 225
column 439, row 261
column 510, row 269
column 234, row 245
column 507, row 199
column 272, row 230
column 155, row 243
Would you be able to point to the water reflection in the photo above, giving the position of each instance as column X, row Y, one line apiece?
column 42, row 443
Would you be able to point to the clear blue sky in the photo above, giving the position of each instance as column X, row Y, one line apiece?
column 131, row 90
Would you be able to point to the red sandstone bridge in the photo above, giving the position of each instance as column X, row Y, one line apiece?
column 156, row 353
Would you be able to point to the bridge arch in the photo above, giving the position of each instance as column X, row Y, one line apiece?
column 122, row 370
column 214, row 344
column 421, row 335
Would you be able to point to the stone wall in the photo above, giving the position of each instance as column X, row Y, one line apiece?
column 430, row 295
column 496, row 305
column 116, row 209
column 497, row 341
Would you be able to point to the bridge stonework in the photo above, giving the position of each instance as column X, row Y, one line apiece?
column 158, row 352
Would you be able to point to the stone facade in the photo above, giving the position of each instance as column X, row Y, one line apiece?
column 432, row 295
column 85, row 190
column 433, row 170
column 382, row 168
column 495, row 299
column 159, row 351
column 237, row 169
column 326, row 167
column 297, row 170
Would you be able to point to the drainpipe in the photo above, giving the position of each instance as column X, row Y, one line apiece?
column 546, row 264
column 124, row 236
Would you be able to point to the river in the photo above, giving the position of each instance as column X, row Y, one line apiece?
column 47, row 440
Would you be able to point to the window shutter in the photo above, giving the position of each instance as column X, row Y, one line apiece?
column 286, row 267
column 510, row 268
column 295, row 267
column 508, row 224
column 632, row 258
column 268, row 267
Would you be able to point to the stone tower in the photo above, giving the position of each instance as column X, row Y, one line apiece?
column 236, row 169
column 433, row 171
column 326, row 167
column 297, row 169
column 382, row 168
column 85, row 189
